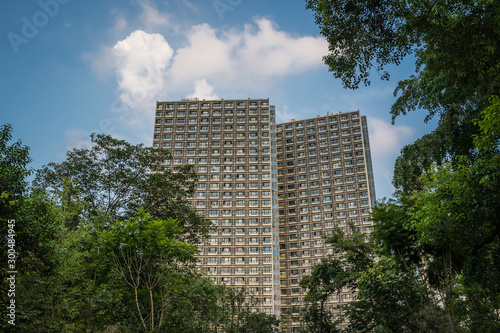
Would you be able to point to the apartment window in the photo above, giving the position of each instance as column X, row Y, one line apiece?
column 211, row 261
column 253, row 270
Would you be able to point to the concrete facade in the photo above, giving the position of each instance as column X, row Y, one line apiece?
column 271, row 189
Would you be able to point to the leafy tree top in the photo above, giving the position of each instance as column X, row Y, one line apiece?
column 116, row 178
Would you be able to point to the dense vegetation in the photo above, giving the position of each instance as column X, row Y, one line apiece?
column 432, row 263
column 105, row 245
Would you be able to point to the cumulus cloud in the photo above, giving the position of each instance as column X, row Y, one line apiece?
column 141, row 60
column 276, row 52
column 246, row 61
column 248, row 58
column 202, row 90
column 146, row 66
column 387, row 139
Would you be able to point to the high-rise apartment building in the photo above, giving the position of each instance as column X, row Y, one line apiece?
column 325, row 179
column 232, row 144
column 271, row 190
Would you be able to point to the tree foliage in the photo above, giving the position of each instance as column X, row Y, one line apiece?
column 146, row 254
column 87, row 262
column 117, row 178
column 456, row 47
column 352, row 255
column 437, row 244
column 14, row 160
column 456, row 38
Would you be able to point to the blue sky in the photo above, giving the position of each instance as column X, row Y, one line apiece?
column 71, row 67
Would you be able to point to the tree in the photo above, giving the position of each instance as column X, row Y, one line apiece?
column 258, row 323
column 116, row 178
column 386, row 274
column 98, row 187
column 63, row 281
column 457, row 215
column 398, row 293
column 437, row 250
column 157, row 267
column 457, row 60
column 87, row 195
column 146, row 254
column 196, row 298
column 88, row 262
column 238, row 316
column 455, row 37
column 14, row 160
column 352, row 255
column 443, row 228
column 39, row 234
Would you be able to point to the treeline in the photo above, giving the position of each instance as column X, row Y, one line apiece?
column 106, row 242
column 432, row 263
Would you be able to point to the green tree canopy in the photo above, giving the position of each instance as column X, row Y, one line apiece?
column 14, row 160
column 437, row 244
column 456, row 47
column 146, row 254
column 117, row 178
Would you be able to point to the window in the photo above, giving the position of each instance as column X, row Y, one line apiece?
column 253, row 270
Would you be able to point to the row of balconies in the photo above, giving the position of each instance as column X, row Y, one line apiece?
column 321, row 121
column 324, row 190
column 230, row 204
column 207, row 105
column 242, row 251
column 229, row 241
column 170, row 129
column 240, row 270
column 320, row 130
column 193, row 121
column 326, row 180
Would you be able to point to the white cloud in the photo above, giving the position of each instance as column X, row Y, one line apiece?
column 277, row 53
column 141, row 60
column 248, row 58
column 206, row 56
column 247, row 61
column 202, row 90
column 387, row 139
